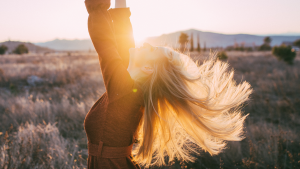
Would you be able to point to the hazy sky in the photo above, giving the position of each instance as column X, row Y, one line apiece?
column 43, row 20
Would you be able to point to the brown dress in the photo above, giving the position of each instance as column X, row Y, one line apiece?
column 112, row 122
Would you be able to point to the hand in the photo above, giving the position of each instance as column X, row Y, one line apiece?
column 120, row 3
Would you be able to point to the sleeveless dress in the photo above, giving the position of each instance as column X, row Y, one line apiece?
column 111, row 124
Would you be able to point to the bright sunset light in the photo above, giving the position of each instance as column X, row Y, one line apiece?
column 50, row 19
column 192, row 84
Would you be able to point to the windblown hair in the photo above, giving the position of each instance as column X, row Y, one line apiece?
column 189, row 107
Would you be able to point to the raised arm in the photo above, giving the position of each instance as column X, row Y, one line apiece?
column 115, row 75
column 123, row 29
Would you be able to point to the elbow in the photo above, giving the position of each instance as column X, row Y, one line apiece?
column 93, row 5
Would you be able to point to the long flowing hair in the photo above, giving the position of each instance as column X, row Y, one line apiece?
column 188, row 107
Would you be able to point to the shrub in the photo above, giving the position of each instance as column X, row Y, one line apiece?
column 222, row 55
column 284, row 53
column 264, row 47
column 267, row 40
column 297, row 43
column 249, row 49
column 21, row 49
column 3, row 49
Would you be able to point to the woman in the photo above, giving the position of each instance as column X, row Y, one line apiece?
column 157, row 96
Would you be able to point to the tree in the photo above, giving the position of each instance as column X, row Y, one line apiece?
column 192, row 43
column 198, row 44
column 21, row 49
column 266, row 45
column 267, row 40
column 3, row 49
column 183, row 39
column 297, row 43
column 204, row 49
column 284, row 53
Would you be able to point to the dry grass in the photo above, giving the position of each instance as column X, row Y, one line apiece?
column 42, row 125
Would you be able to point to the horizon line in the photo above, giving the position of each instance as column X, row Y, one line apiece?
column 263, row 34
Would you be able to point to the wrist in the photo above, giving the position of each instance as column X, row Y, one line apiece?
column 120, row 3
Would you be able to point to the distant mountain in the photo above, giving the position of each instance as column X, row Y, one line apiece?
column 211, row 39
column 216, row 39
column 68, row 45
column 282, row 34
column 32, row 48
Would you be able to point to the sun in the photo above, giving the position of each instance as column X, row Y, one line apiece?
column 139, row 37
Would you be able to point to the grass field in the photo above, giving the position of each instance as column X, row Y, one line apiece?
column 42, row 121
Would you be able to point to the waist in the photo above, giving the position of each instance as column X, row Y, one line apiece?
column 100, row 150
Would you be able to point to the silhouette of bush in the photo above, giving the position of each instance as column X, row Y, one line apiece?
column 267, row 40
column 266, row 46
column 13, row 88
column 21, row 49
column 284, row 53
column 297, row 43
column 3, row 49
column 239, row 48
column 222, row 55
column 248, row 49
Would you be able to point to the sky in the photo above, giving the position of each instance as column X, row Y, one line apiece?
column 45, row 20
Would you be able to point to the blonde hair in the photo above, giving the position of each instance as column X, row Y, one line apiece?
column 189, row 107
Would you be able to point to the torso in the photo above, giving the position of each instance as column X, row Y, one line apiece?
column 114, row 123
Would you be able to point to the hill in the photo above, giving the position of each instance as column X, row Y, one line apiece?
column 217, row 40
column 32, row 48
column 68, row 45
column 211, row 39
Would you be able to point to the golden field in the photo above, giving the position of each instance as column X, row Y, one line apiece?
column 44, row 100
